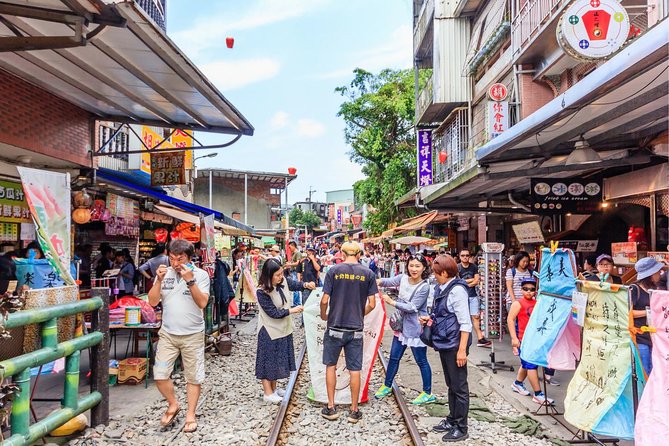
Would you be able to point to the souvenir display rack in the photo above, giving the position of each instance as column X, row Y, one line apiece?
column 490, row 290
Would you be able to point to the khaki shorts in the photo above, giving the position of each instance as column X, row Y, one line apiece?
column 191, row 348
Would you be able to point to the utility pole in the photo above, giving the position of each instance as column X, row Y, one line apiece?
column 311, row 191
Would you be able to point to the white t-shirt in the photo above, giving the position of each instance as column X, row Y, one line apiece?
column 181, row 315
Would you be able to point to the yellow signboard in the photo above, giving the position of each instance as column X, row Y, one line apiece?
column 179, row 139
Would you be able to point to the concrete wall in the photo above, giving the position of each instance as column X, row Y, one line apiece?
column 228, row 197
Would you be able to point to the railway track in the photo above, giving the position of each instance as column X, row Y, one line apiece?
column 295, row 422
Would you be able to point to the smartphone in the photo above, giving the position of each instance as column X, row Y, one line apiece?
column 190, row 266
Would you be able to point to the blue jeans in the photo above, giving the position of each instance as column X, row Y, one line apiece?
column 297, row 297
column 419, row 355
column 646, row 357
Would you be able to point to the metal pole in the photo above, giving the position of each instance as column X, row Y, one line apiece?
column 210, row 182
column 653, row 221
column 287, row 220
column 246, row 199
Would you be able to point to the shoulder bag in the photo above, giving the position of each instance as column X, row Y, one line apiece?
column 396, row 321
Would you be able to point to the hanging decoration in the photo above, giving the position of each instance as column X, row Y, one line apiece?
column 161, row 235
column 81, row 216
column 230, row 42
column 443, row 156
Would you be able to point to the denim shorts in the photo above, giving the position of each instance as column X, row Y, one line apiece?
column 474, row 306
column 351, row 341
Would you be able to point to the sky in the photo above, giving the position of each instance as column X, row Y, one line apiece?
column 287, row 60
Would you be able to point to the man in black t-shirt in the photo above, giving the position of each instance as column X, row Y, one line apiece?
column 469, row 272
column 349, row 290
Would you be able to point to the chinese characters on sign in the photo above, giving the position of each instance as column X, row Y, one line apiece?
column 498, row 117
column 424, row 157
column 167, row 168
column 554, row 196
column 498, row 92
column 124, row 216
column 13, row 205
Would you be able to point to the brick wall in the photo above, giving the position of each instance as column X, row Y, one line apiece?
column 36, row 120
column 533, row 95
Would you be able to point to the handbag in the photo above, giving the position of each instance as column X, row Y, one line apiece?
column 396, row 320
column 427, row 333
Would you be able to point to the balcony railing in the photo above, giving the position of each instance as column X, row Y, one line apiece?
column 531, row 19
column 455, row 142
column 425, row 19
column 425, row 99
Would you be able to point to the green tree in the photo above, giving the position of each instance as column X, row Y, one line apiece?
column 379, row 115
column 298, row 217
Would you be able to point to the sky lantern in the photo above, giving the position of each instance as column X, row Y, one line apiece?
column 442, row 156
column 230, row 42
column 292, row 171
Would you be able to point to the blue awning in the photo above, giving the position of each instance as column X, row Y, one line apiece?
column 128, row 181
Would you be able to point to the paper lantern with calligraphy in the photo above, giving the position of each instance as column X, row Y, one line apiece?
column 81, row 216
column 161, row 235
column 593, row 29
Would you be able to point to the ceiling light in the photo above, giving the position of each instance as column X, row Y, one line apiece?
column 582, row 154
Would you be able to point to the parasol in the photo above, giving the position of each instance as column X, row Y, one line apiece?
column 412, row 240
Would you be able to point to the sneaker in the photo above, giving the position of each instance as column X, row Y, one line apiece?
column 520, row 388
column 552, row 381
column 455, row 434
column 443, row 426
column 483, row 342
column 273, row 398
column 540, row 398
column 354, row 417
column 329, row 413
column 280, row 392
column 383, row 392
column 424, row 398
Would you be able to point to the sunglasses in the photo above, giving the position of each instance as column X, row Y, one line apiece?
column 465, row 255
column 529, row 289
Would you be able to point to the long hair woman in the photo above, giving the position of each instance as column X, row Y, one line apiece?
column 451, row 328
column 411, row 303
column 275, row 356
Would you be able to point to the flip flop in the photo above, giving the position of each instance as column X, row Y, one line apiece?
column 172, row 417
column 189, row 423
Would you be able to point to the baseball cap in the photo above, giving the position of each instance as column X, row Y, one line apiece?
column 350, row 248
column 311, row 248
column 604, row 257
column 275, row 248
column 647, row 267
column 528, row 280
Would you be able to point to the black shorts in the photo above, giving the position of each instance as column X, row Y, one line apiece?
column 350, row 341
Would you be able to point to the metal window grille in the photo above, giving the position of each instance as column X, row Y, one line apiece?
column 455, row 142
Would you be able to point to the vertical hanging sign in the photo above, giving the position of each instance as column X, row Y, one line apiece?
column 424, row 173
column 208, row 244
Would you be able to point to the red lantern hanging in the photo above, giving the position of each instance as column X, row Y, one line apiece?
column 175, row 235
column 230, row 42
column 443, row 155
column 292, row 170
column 161, row 235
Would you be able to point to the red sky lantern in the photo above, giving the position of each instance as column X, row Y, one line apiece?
column 442, row 157
column 230, row 42
column 292, row 171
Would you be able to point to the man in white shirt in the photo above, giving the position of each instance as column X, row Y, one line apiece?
column 184, row 291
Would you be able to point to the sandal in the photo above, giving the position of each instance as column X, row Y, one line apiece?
column 190, row 423
column 171, row 417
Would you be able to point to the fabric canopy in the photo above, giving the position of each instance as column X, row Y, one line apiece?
column 413, row 224
column 190, row 218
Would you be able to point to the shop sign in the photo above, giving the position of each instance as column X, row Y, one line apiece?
column 593, row 29
column 624, row 253
column 492, row 248
column 357, row 219
column 557, row 196
column 179, row 139
column 498, row 92
column 339, row 216
column 580, row 245
column 124, row 219
column 498, row 117
column 529, row 232
column 9, row 232
column 424, row 158
column 167, row 169
column 659, row 255
column 13, row 205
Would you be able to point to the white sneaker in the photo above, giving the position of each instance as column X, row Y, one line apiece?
column 280, row 392
column 541, row 399
column 520, row 388
column 273, row 398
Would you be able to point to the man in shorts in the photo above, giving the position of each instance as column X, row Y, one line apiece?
column 469, row 272
column 184, row 291
column 349, row 290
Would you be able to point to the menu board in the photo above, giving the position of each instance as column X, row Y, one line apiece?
column 13, row 205
column 624, row 253
column 9, row 232
column 124, row 216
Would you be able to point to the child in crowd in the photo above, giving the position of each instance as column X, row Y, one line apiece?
column 519, row 316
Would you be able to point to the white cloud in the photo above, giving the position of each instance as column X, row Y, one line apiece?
column 396, row 53
column 279, row 120
column 229, row 75
column 209, row 32
column 309, row 128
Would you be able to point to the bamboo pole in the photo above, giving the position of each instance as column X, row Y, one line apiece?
column 39, row 315
column 20, row 419
column 15, row 365
column 71, row 392
column 50, row 333
column 52, row 421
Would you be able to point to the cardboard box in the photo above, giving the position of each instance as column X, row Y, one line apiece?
column 131, row 370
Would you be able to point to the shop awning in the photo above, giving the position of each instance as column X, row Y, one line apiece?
column 413, row 224
column 190, row 218
column 112, row 60
column 106, row 175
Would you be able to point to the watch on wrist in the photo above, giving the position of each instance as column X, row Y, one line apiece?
column 190, row 283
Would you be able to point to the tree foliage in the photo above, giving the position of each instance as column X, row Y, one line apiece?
column 379, row 115
column 298, row 217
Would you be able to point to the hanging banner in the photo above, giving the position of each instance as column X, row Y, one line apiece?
column 13, row 205
column 36, row 274
column 51, row 215
column 557, row 196
column 599, row 397
column 208, row 244
column 552, row 338
column 652, row 418
column 314, row 329
column 424, row 158
column 498, row 118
